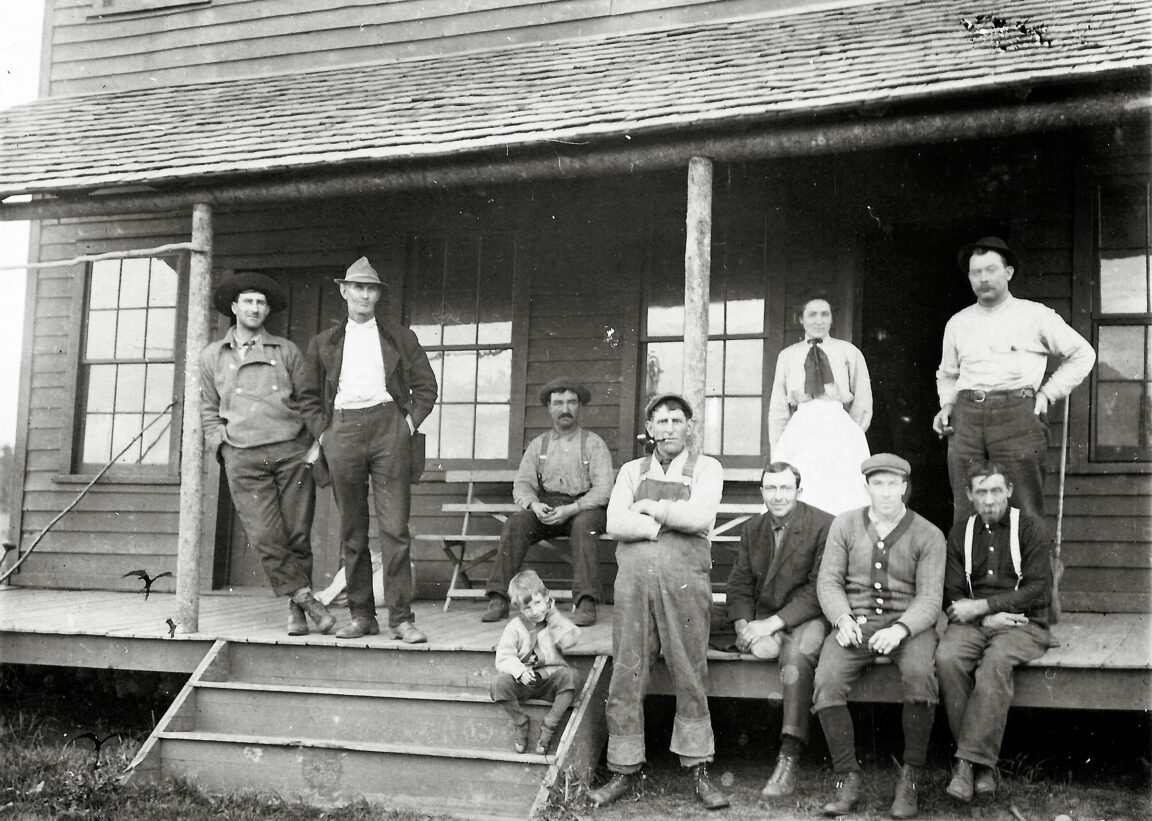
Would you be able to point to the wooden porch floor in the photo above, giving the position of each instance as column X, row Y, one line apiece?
column 1101, row 661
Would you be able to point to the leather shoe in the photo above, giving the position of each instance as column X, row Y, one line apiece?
column 783, row 780
column 611, row 792
column 520, row 739
column 906, row 803
column 847, row 794
column 708, row 793
column 297, row 624
column 406, row 631
column 585, row 613
column 985, row 783
column 960, row 787
column 497, row 609
column 360, row 626
column 319, row 614
column 545, row 739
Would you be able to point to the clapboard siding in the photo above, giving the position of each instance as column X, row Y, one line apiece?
column 238, row 38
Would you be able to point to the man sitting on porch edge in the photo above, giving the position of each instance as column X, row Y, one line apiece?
column 563, row 485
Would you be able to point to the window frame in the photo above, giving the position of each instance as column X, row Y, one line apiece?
column 1088, row 319
column 72, row 423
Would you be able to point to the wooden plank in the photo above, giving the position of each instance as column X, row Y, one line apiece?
column 584, row 737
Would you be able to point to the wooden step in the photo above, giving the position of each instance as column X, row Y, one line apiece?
column 418, row 720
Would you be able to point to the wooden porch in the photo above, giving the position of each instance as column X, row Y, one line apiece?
column 1101, row 661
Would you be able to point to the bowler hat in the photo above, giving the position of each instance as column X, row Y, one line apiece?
column 228, row 290
column 361, row 271
column 986, row 244
column 564, row 383
column 887, row 463
column 659, row 398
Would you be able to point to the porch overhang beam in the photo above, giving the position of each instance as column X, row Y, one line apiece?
column 459, row 170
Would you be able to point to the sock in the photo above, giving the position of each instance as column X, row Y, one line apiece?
column 300, row 596
column 917, row 719
column 559, row 707
column 840, row 735
column 790, row 745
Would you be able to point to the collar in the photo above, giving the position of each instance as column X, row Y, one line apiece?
column 1003, row 522
column 230, row 338
column 874, row 520
column 564, row 437
column 675, row 466
column 787, row 520
column 360, row 327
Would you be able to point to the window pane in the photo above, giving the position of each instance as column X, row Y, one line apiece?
column 666, row 306
column 497, row 260
column 101, row 342
column 130, row 388
column 124, row 427
column 460, row 265
column 664, row 368
column 130, row 334
column 715, row 314
column 97, row 436
column 161, row 339
column 436, row 361
column 158, row 391
column 157, row 441
column 456, row 431
column 1118, row 413
column 105, row 290
column 744, row 369
column 742, row 426
column 1124, row 216
column 713, row 420
column 101, row 387
column 134, row 283
column 165, row 282
column 494, row 376
column 459, row 383
column 492, row 431
column 430, row 427
column 1121, row 354
column 714, row 380
column 1123, row 283
column 426, row 291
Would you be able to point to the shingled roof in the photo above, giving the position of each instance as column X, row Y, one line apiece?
column 714, row 75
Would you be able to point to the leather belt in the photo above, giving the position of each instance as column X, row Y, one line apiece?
column 983, row 396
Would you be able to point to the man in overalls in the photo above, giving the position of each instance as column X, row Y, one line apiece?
column 661, row 510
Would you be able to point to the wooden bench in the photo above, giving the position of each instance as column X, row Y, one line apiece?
column 731, row 516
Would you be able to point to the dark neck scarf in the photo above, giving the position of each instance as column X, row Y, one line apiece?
column 817, row 369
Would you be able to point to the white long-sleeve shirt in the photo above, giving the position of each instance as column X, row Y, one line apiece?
column 1007, row 348
column 695, row 515
column 850, row 386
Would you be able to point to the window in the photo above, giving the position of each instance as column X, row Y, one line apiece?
column 460, row 308
column 128, row 365
column 733, row 396
column 1122, row 325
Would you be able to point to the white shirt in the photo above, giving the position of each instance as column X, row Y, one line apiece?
column 850, row 386
column 362, row 375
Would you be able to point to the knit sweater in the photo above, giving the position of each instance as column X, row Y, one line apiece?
column 901, row 582
column 524, row 645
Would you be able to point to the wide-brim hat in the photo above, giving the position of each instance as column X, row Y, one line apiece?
column 361, row 271
column 565, row 383
column 886, row 463
column 228, row 290
column 659, row 398
column 986, row 244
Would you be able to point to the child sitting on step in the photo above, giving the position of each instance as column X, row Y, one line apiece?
column 530, row 661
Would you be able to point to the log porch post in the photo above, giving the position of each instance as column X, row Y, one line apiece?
column 191, row 441
column 697, row 276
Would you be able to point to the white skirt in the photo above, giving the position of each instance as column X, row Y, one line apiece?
column 827, row 447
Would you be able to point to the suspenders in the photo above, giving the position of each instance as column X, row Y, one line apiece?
column 1013, row 546
column 545, row 439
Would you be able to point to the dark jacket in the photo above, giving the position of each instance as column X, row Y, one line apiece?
column 409, row 377
column 787, row 586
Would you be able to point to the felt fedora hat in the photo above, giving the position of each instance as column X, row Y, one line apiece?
column 565, row 383
column 361, row 271
column 986, row 244
column 228, row 290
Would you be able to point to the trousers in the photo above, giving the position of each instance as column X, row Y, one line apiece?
column 373, row 443
column 275, row 497
column 523, row 529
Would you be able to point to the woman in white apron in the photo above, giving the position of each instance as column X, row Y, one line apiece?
column 820, row 407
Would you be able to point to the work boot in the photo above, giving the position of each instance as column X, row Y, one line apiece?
column 297, row 624
column 611, row 792
column 497, row 609
column 585, row 613
column 319, row 614
column 960, row 787
column 985, row 783
column 406, row 631
column 907, row 801
column 545, row 739
column 520, row 740
column 847, row 794
column 708, row 793
column 783, row 780
column 360, row 626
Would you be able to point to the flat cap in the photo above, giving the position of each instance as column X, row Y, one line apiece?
column 985, row 244
column 564, row 383
column 228, row 290
column 658, row 398
column 361, row 271
column 887, row 463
